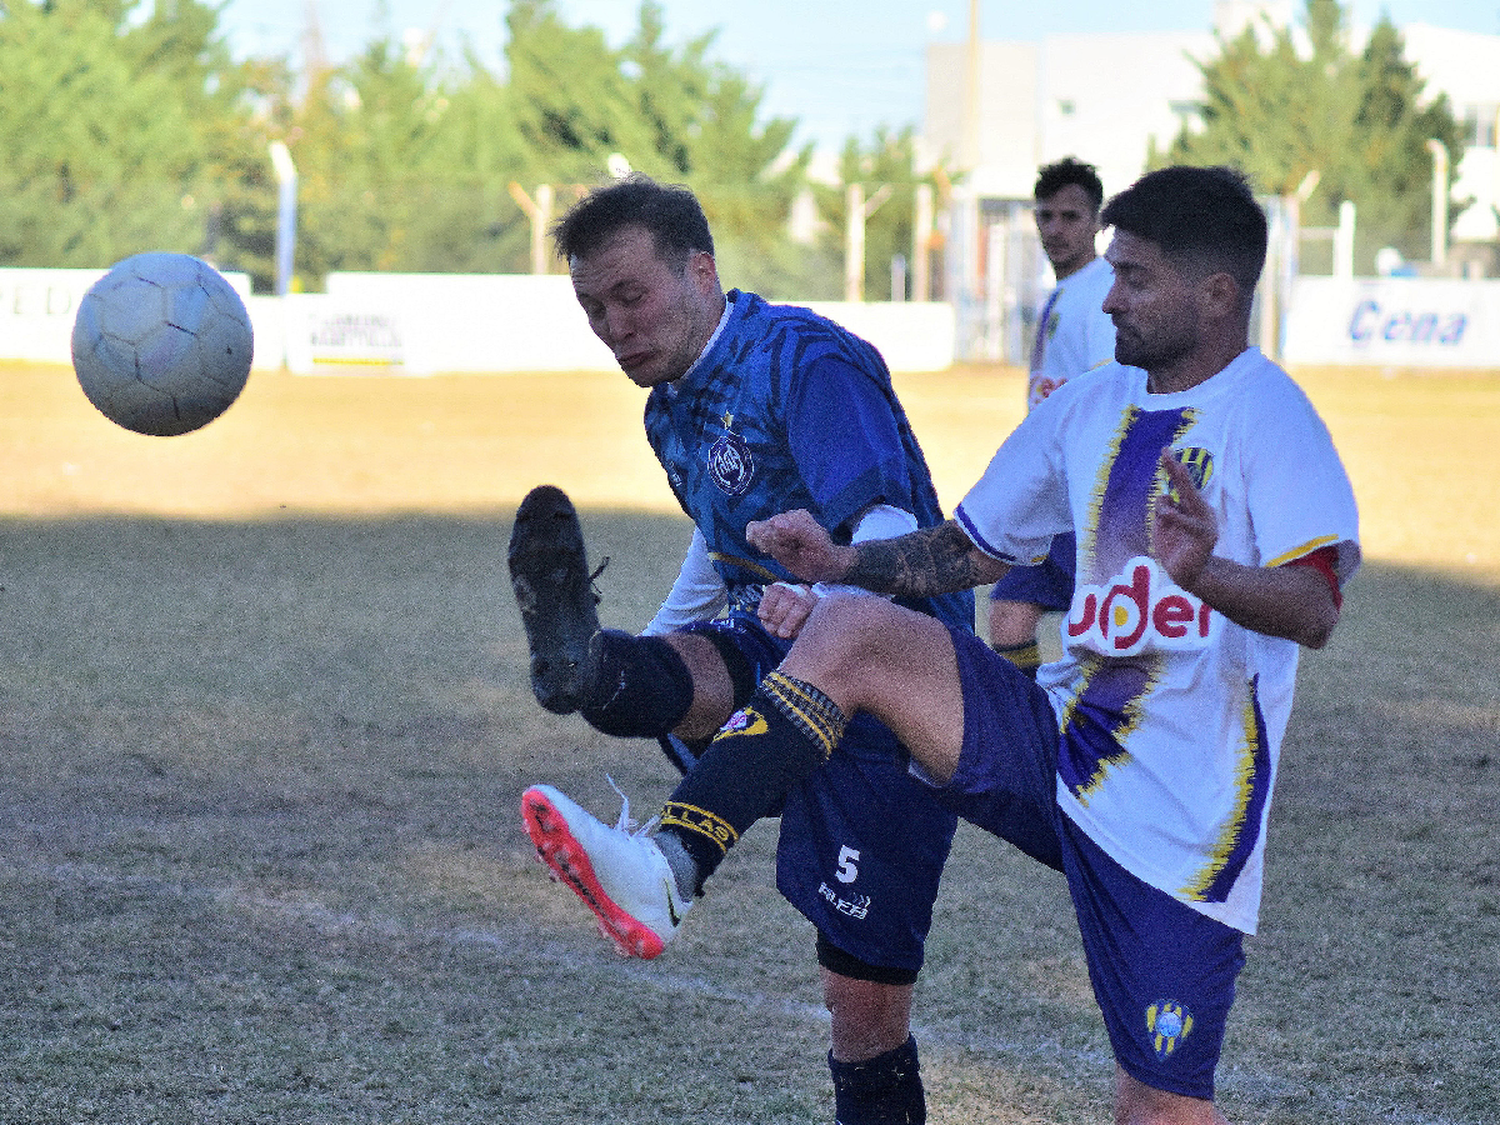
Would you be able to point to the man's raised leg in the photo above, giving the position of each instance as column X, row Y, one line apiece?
column 855, row 653
column 623, row 685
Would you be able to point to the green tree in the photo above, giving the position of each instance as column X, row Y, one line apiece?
column 242, row 222
column 1393, row 127
column 885, row 168
column 748, row 180
column 119, row 134
column 384, row 179
column 671, row 113
column 572, row 100
column 1359, row 121
column 405, row 165
column 125, row 128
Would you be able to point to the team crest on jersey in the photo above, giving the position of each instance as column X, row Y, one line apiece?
column 1169, row 1022
column 1200, row 466
column 729, row 462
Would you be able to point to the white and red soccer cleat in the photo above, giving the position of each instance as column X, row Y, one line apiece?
column 621, row 875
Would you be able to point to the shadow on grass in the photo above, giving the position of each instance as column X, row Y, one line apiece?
column 261, row 859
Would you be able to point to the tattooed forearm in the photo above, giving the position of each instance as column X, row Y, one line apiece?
column 935, row 560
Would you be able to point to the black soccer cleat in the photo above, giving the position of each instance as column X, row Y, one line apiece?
column 550, row 576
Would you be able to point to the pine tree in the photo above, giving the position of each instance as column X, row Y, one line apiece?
column 1279, row 105
column 119, row 136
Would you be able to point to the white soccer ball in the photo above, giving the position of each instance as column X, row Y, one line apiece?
column 162, row 343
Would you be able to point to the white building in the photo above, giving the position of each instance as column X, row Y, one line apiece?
column 998, row 110
column 1465, row 65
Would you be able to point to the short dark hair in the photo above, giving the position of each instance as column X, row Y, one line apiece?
column 1203, row 216
column 670, row 212
column 1069, row 170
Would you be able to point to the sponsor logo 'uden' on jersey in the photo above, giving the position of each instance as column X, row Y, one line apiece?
column 1143, row 609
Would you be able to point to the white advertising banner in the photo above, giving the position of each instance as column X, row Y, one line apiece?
column 1394, row 322
column 458, row 322
column 421, row 324
column 323, row 335
column 38, row 306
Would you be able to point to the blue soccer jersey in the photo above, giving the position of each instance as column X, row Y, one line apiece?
column 788, row 410
column 785, row 410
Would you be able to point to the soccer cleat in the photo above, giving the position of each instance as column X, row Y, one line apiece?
column 620, row 874
column 550, row 577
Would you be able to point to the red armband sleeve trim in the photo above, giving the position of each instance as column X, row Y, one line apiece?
column 1324, row 560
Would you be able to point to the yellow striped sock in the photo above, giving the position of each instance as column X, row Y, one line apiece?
column 813, row 713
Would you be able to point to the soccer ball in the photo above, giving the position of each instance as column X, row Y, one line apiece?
column 162, row 344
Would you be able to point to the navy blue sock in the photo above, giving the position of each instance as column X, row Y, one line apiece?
column 885, row 1090
column 640, row 686
column 778, row 739
column 1026, row 656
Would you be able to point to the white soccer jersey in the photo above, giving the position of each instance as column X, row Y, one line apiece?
column 1172, row 716
column 1073, row 334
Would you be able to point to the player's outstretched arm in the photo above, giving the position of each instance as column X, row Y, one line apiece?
column 934, row 560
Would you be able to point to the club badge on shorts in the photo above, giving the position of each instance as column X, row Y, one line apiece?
column 1169, row 1023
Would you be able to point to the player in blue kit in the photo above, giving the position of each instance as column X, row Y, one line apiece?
column 753, row 408
column 1215, row 529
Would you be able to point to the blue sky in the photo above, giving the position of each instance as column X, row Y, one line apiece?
column 839, row 66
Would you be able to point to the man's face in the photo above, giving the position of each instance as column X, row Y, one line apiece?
column 1154, row 307
column 1067, row 222
column 654, row 317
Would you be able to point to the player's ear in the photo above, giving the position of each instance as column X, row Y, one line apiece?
column 1220, row 294
column 704, row 269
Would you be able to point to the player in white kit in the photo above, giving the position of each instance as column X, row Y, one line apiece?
column 1073, row 335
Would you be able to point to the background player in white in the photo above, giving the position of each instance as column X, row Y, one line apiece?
column 1215, row 529
column 1073, row 335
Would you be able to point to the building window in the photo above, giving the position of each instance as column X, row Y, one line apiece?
column 1480, row 123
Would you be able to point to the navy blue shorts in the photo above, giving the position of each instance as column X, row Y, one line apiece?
column 1049, row 584
column 1163, row 974
column 863, row 843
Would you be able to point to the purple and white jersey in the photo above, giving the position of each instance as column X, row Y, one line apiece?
column 1171, row 716
column 1073, row 333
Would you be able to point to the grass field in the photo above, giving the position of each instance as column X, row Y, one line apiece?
column 264, row 723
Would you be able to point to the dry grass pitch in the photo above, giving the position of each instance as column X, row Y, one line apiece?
column 264, row 722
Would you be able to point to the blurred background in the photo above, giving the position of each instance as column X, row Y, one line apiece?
column 844, row 152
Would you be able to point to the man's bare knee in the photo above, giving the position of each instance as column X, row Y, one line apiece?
column 1013, row 623
column 868, row 1018
column 842, row 638
column 1139, row 1104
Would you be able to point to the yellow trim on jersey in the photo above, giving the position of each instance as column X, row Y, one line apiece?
column 768, row 575
column 1235, row 826
column 1306, row 549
